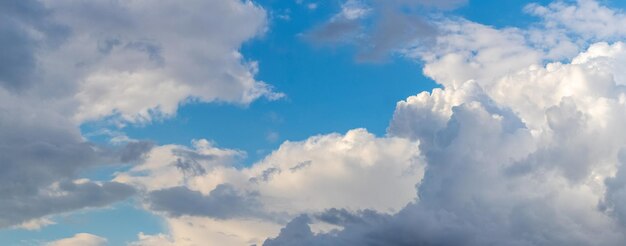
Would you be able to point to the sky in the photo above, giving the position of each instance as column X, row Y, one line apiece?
column 308, row 122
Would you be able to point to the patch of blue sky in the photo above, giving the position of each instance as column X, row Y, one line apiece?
column 498, row 13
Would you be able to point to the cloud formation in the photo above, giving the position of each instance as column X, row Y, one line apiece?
column 67, row 62
column 221, row 203
column 518, row 151
column 41, row 155
column 378, row 27
column 141, row 60
column 249, row 204
column 22, row 24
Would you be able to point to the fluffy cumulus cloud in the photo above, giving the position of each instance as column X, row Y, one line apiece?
column 205, row 198
column 67, row 62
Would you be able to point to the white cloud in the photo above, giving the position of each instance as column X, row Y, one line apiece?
column 80, row 239
column 474, row 51
column 141, row 60
column 353, row 9
column 587, row 18
column 189, row 230
column 323, row 172
column 35, row 224
column 320, row 173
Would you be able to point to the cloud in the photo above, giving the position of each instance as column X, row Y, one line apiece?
column 41, row 156
column 222, row 202
column 518, row 151
column 229, row 205
column 135, row 151
column 80, row 239
column 140, row 60
column 68, row 62
column 378, row 28
column 62, row 197
column 35, row 224
column 523, row 145
column 613, row 201
column 22, row 22
column 133, row 61
column 344, row 26
column 587, row 18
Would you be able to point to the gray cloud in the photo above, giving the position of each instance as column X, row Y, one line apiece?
column 335, row 31
column 40, row 149
column 298, row 230
column 19, row 20
column 223, row 202
column 22, row 207
column 614, row 201
column 378, row 27
column 135, row 151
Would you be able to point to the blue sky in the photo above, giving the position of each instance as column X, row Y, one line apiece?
column 327, row 90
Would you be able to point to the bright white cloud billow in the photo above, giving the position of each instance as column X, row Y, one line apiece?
column 204, row 198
